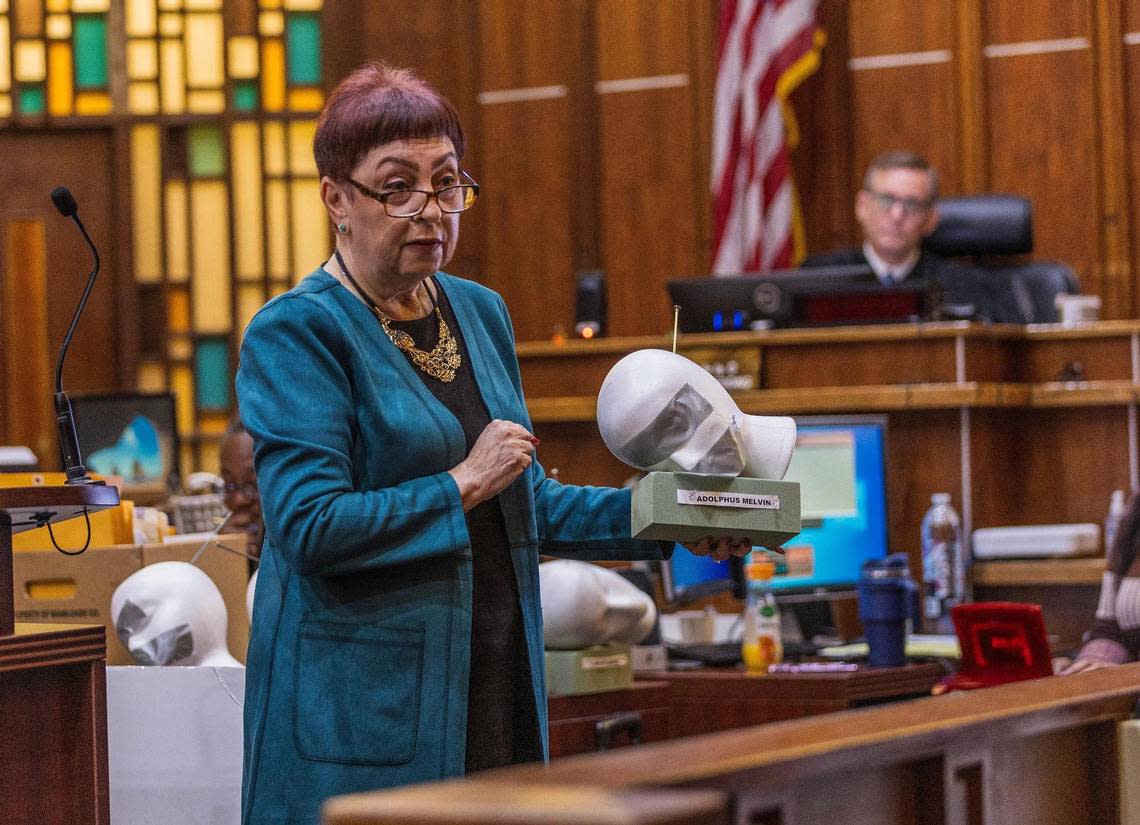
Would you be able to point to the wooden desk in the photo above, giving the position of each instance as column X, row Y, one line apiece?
column 1043, row 751
column 715, row 699
column 574, row 719
column 974, row 410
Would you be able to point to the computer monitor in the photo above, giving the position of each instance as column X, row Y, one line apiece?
column 840, row 464
column 131, row 435
column 815, row 296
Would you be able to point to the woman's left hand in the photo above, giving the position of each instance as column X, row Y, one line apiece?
column 719, row 548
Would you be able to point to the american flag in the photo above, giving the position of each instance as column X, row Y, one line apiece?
column 766, row 48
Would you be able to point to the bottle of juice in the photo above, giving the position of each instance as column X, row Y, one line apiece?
column 761, row 645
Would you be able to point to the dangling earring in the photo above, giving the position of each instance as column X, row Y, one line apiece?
column 342, row 228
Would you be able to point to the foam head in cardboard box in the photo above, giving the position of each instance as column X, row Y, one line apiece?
column 171, row 613
column 660, row 411
column 584, row 605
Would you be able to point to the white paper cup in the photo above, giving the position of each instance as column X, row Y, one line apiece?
column 697, row 626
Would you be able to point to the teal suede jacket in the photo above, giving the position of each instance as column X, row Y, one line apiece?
column 360, row 645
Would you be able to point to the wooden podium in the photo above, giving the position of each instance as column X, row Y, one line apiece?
column 53, row 695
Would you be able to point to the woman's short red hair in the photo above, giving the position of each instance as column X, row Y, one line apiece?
column 377, row 104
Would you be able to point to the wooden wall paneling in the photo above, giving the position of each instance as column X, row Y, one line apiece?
column 903, row 83
column 860, row 364
column 124, row 336
column 822, row 160
column 1041, row 107
column 703, row 34
column 1130, row 172
column 650, row 185
column 1056, row 466
column 1114, row 207
column 577, row 451
column 969, row 64
column 527, row 155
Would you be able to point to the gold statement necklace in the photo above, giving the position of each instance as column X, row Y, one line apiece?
column 443, row 360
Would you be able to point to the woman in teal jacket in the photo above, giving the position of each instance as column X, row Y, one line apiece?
column 397, row 632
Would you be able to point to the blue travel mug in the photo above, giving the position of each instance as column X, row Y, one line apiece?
column 886, row 594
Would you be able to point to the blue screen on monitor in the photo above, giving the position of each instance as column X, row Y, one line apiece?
column 840, row 465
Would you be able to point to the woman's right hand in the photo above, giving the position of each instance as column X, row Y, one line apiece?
column 1082, row 665
column 501, row 453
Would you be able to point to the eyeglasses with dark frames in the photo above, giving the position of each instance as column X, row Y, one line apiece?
column 407, row 203
column 885, row 201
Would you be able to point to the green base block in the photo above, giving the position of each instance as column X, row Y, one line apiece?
column 657, row 514
column 590, row 670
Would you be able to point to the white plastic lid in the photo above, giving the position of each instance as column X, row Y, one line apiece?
column 940, row 498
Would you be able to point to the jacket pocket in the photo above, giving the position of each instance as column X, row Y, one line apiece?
column 357, row 697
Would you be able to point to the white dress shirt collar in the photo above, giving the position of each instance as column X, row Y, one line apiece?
column 889, row 274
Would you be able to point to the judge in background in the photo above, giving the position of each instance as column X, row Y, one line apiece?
column 397, row 633
column 896, row 209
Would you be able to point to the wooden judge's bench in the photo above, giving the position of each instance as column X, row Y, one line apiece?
column 1022, row 425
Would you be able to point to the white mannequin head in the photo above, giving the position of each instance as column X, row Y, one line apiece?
column 660, row 411
column 250, row 590
column 583, row 605
column 171, row 613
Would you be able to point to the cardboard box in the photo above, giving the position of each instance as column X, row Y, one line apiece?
column 113, row 526
column 53, row 588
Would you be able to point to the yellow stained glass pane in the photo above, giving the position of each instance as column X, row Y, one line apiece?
column 31, row 61
column 87, row 6
column 210, row 456
column 142, row 60
column 179, row 348
column 210, row 237
column 204, row 5
column 303, row 5
column 182, row 383
column 170, row 25
column 274, row 132
column 5, row 105
column 301, row 134
column 271, row 4
column 177, row 231
column 146, row 203
column 276, row 289
column 170, row 5
column 58, row 5
column 178, row 310
column 60, row 89
column 202, row 102
column 204, row 42
column 245, row 166
column 306, row 100
column 277, row 230
column 310, row 235
column 142, row 18
column 142, row 98
column 3, row 6
column 5, row 74
column 93, row 103
column 271, row 24
column 58, row 26
column 213, row 424
column 152, row 376
column 273, row 76
column 251, row 298
column 243, row 57
column 172, row 81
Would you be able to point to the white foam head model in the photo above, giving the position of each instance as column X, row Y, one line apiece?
column 660, row 411
column 171, row 613
column 583, row 605
column 250, row 590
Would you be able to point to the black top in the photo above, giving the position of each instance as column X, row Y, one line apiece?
column 502, row 726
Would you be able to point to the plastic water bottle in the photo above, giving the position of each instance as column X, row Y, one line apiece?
column 943, row 564
column 1116, row 508
column 761, row 646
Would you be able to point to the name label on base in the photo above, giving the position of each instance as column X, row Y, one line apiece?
column 710, row 498
column 614, row 660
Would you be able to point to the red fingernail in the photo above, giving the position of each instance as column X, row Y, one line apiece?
column 535, row 440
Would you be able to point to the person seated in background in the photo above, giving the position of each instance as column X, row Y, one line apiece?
column 240, row 480
column 1115, row 635
column 896, row 209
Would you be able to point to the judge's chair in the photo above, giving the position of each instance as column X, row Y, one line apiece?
column 991, row 229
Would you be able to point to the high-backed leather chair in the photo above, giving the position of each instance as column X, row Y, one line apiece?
column 982, row 226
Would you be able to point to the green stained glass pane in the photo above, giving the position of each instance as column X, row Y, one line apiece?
column 32, row 100
column 212, row 373
column 207, row 152
column 303, row 49
column 245, row 95
column 90, row 35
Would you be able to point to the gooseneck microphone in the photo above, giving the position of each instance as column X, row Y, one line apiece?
column 64, row 419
